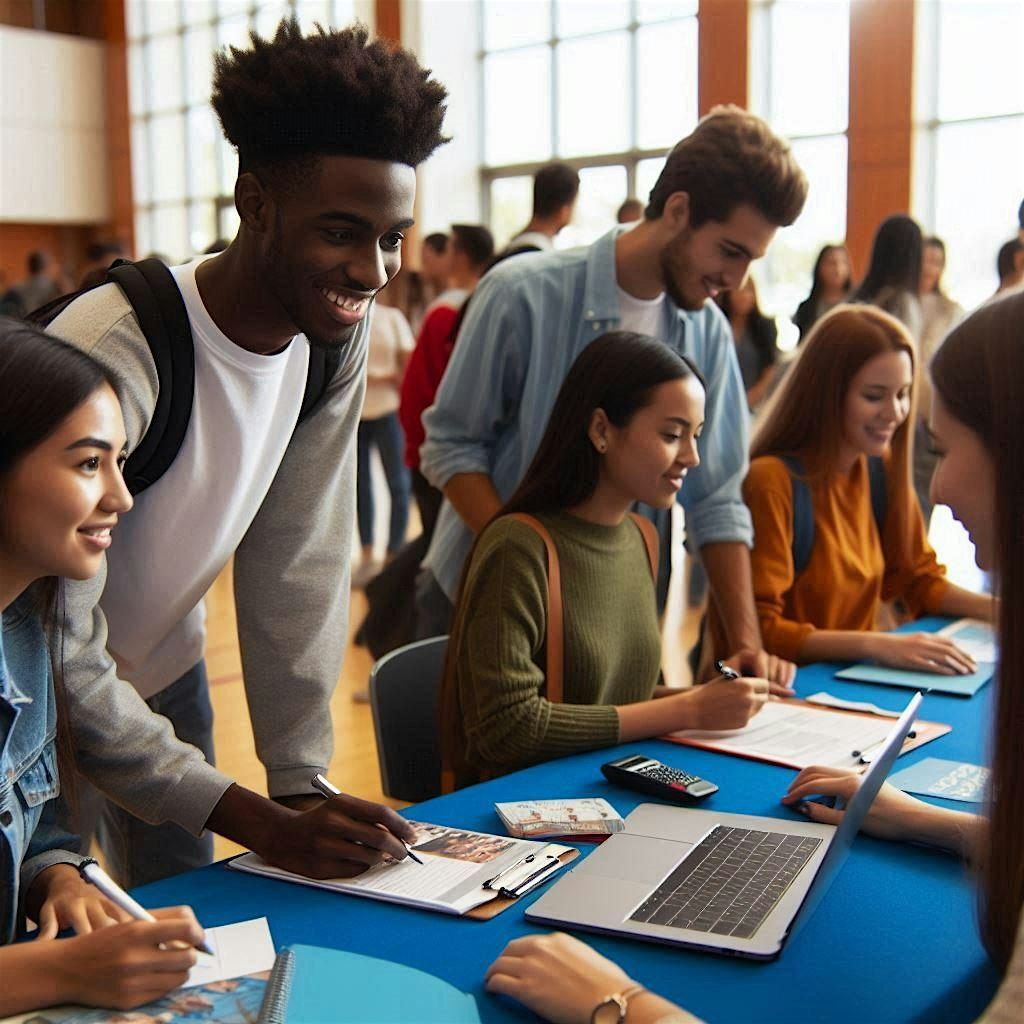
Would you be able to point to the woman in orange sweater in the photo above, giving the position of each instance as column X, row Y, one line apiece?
column 848, row 399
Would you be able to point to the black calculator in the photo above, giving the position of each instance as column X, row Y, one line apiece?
column 657, row 779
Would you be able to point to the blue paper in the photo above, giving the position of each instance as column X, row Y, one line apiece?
column 330, row 985
column 960, row 686
column 952, row 780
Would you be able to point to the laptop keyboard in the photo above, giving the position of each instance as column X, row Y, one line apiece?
column 729, row 882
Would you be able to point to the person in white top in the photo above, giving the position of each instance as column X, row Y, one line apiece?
column 391, row 344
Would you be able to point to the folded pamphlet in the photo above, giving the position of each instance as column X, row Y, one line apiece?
column 546, row 819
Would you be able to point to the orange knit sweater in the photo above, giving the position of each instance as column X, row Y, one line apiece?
column 850, row 572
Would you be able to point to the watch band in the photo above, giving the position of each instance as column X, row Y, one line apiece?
column 619, row 1000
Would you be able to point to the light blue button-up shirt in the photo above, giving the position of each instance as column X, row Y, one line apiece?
column 529, row 319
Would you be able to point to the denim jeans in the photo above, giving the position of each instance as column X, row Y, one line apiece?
column 137, row 852
column 384, row 434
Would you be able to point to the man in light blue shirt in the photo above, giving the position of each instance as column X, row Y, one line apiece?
column 724, row 191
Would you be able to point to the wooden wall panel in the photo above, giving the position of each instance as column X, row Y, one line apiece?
column 881, row 118
column 119, row 143
column 723, row 33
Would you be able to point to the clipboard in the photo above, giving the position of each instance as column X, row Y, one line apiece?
column 734, row 742
column 494, row 907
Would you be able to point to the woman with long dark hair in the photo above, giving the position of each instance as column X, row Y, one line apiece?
column 978, row 377
column 755, row 336
column 62, row 444
column 830, row 285
column 846, row 407
column 893, row 279
column 623, row 429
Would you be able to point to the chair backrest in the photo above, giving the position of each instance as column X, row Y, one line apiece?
column 404, row 690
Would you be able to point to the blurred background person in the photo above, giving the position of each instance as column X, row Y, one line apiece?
column 555, row 188
column 1010, row 266
column 756, row 339
column 893, row 280
column 40, row 287
column 630, row 211
column 830, row 285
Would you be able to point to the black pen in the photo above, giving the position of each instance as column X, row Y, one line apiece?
column 724, row 670
column 92, row 873
column 329, row 789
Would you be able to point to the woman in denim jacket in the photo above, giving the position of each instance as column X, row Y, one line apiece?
column 62, row 444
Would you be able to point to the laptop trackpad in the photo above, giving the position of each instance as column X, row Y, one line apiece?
column 632, row 858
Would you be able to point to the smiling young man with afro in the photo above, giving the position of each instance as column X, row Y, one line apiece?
column 329, row 128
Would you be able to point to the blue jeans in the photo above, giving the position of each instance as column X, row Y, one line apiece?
column 139, row 853
column 384, row 434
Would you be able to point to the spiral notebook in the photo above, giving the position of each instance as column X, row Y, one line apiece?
column 311, row 985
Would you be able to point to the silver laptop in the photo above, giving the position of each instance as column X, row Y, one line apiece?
column 728, row 883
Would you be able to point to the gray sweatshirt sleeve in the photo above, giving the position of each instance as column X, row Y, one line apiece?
column 291, row 577
column 123, row 748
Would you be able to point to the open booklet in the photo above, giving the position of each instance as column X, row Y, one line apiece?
column 461, row 871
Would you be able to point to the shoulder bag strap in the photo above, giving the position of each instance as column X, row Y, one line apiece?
column 555, row 638
column 650, row 536
column 803, row 514
column 879, row 496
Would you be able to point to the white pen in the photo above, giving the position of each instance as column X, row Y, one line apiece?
column 328, row 788
column 95, row 875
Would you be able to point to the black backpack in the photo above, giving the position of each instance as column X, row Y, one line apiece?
column 803, row 508
column 156, row 301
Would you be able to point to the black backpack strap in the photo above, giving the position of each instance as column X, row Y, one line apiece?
column 803, row 514
column 156, row 300
column 879, row 495
column 323, row 364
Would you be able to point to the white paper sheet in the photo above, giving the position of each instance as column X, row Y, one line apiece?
column 238, row 949
column 973, row 637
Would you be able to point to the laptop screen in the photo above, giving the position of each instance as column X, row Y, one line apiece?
column 857, row 809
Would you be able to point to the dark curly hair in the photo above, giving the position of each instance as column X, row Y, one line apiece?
column 294, row 98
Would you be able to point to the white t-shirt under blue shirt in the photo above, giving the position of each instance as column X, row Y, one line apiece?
column 642, row 316
column 182, row 531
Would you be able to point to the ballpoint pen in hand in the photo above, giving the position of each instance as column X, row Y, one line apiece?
column 322, row 785
column 725, row 671
column 92, row 873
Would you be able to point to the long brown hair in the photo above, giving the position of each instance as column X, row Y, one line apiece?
column 978, row 373
column 806, row 416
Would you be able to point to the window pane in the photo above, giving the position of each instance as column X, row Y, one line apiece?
column 227, row 218
column 975, row 35
column 199, row 48
column 647, row 172
column 309, row 12
column 269, row 16
column 808, row 67
column 659, row 10
column 228, row 8
column 593, row 99
column 137, row 77
column 162, row 16
column 202, row 226
column 344, row 12
column 140, row 162
column 143, row 233
column 228, row 165
column 203, row 134
column 790, row 260
column 195, row 11
column 577, row 17
column 511, row 206
column 163, row 73
column 170, row 233
column 135, row 18
column 234, row 31
column 515, row 83
column 514, row 23
column 602, row 190
column 666, row 82
column 167, row 138
column 975, row 216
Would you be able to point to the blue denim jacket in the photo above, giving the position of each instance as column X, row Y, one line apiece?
column 528, row 320
column 31, row 838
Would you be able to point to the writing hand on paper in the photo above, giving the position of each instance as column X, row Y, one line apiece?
column 920, row 652
column 339, row 838
column 59, row 899
column 126, row 965
column 759, row 663
column 724, row 703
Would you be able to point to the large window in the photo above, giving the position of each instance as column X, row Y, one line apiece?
column 607, row 85
column 183, row 170
column 799, row 82
column 968, row 174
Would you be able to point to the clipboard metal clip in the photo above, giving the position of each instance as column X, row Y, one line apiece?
column 514, row 883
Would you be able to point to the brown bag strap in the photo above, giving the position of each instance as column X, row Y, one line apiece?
column 650, row 536
column 555, row 629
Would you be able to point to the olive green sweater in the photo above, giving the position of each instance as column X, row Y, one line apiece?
column 612, row 648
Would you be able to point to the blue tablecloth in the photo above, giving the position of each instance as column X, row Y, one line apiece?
column 895, row 938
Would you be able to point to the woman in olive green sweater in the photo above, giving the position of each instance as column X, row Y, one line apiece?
column 624, row 428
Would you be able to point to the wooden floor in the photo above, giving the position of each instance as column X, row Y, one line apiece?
column 354, row 767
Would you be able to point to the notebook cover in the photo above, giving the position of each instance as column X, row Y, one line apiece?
column 312, row 985
column 959, row 686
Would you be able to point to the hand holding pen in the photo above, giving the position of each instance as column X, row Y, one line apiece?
column 322, row 785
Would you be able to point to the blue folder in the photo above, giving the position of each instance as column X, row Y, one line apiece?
column 310, row 985
column 959, row 686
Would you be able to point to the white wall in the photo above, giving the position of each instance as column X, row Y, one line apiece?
column 53, row 159
column 445, row 35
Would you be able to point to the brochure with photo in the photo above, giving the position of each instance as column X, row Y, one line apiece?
column 584, row 817
column 455, row 876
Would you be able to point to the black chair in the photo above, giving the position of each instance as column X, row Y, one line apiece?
column 404, row 690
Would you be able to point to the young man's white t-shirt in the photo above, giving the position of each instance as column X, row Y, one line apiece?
column 171, row 546
column 642, row 316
